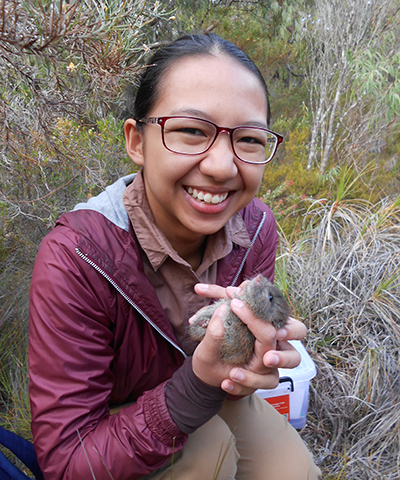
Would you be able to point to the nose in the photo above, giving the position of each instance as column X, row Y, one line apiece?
column 219, row 162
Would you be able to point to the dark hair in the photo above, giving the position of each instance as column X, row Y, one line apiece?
column 186, row 46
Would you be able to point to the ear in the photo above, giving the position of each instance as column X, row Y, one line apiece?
column 134, row 142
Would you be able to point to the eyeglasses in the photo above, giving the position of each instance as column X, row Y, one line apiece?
column 193, row 136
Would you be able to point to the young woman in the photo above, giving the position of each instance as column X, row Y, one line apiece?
column 118, row 389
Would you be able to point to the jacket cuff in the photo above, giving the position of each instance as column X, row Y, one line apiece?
column 190, row 401
column 159, row 420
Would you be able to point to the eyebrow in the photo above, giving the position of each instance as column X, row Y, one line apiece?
column 193, row 112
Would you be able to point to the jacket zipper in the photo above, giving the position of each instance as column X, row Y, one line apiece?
column 139, row 310
column 127, row 298
column 248, row 250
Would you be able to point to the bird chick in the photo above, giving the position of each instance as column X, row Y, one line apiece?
column 266, row 302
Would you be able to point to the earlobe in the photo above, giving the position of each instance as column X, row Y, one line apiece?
column 133, row 141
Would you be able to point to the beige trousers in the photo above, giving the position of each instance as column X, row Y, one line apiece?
column 247, row 440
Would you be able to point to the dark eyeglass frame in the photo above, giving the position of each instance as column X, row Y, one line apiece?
column 161, row 121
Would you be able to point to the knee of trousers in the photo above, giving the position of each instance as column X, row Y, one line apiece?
column 211, row 449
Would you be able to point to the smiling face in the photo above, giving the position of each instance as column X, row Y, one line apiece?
column 195, row 196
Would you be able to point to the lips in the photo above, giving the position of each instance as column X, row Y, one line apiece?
column 207, row 197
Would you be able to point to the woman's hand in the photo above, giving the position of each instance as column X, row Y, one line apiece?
column 272, row 350
column 206, row 361
column 215, row 291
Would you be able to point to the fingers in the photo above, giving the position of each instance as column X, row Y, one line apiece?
column 271, row 350
column 210, row 291
column 264, row 332
column 286, row 356
column 244, row 382
column 293, row 330
column 215, row 291
column 271, row 345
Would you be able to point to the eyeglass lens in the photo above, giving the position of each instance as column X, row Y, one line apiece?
column 194, row 136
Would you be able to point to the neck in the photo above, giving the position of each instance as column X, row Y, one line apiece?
column 192, row 253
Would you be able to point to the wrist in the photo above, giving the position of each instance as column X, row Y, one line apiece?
column 190, row 401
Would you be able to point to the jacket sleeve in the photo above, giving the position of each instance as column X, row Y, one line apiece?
column 70, row 362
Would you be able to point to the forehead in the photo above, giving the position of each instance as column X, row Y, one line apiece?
column 217, row 85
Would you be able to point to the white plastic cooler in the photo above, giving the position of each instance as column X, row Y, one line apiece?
column 290, row 397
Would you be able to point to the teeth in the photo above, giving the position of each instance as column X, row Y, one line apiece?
column 207, row 197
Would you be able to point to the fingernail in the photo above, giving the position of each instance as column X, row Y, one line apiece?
column 228, row 387
column 233, row 290
column 281, row 334
column 272, row 360
column 238, row 375
column 192, row 318
column 202, row 287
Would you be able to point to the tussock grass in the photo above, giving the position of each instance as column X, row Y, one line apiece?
column 343, row 277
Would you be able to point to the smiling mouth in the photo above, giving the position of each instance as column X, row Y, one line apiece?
column 207, row 197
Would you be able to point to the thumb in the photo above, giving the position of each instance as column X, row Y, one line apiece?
column 206, row 361
column 216, row 326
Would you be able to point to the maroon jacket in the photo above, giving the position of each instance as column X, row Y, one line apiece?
column 98, row 337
